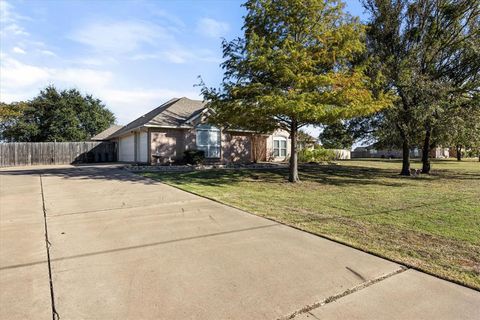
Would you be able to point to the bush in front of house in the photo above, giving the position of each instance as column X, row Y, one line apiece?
column 316, row 155
column 194, row 156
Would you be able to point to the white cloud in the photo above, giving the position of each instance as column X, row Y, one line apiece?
column 21, row 81
column 132, row 103
column 119, row 37
column 18, row 50
column 9, row 21
column 16, row 75
column 179, row 55
column 171, row 21
column 47, row 53
column 212, row 28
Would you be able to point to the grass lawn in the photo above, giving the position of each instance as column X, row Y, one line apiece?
column 431, row 222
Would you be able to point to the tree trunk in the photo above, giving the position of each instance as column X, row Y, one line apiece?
column 426, row 150
column 293, row 170
column 405, row 158
column 459, row 153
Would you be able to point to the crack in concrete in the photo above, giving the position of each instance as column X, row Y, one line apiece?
column 335, row 297
column 48, row 244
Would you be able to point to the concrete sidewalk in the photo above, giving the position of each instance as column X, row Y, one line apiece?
column 124, row 247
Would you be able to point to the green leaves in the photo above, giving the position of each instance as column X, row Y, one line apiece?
column 55, row 116
column 299, row 61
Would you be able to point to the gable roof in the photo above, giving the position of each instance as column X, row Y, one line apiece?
column 106, row 133
column 172, row 113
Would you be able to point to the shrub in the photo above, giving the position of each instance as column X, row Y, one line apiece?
column 316, row 155
column 194, row 156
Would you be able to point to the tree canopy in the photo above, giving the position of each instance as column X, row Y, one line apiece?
column 54, row 115
column 336, row 136
column 428, row 53
column 297, row 63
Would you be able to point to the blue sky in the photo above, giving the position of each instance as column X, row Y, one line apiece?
column 133, row 55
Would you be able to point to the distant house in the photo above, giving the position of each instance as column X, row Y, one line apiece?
column 306, row 141
column 165, row 133
column 372, row 152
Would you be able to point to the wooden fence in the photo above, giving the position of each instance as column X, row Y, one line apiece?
column 38, row 153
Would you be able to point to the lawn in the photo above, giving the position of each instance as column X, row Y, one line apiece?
column 431, row 222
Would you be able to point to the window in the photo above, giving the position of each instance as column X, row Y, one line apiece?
column 208, row 140
column 279, row 147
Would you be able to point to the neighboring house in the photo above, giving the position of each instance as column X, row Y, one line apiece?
column 306, row 141
column 163, row 134
column 441, row 152
column 372, row 152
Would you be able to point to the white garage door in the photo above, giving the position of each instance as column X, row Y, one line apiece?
column 143, row 145
column 126, row 148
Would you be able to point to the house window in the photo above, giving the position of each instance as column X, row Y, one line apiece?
column 208, row 140
column 279, row 147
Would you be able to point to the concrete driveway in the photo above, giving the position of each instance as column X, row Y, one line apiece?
column 100, row 243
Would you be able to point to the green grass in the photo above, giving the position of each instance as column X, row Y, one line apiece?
column 431, row 222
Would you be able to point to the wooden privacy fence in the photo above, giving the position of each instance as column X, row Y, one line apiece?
column 37, row 153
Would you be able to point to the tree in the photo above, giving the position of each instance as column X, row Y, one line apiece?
column 296, row 64
column 336, row 136
column 459, row 126
column 12, row 122
column 427, row 52
column 55, row 116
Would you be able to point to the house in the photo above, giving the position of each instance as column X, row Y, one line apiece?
column 306, row 141
column 165, row 133
column 372, row 152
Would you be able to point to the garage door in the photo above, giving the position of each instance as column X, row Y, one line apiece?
column 126, row 148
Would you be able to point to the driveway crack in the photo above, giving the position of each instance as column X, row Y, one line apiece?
column 335, row 297
column 48, row 244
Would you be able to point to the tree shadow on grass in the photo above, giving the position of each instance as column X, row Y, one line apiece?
column 323, row 174
column 330, row 174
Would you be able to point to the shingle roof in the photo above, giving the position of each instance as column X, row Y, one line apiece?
column 172, row 113
column 107, row 132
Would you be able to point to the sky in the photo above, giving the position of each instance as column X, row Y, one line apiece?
column 133, row 55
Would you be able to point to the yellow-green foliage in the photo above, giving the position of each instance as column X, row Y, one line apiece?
column 316, row 155
column 299, row 61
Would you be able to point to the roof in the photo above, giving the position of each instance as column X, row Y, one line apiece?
column 173, row 113
column 107, row 132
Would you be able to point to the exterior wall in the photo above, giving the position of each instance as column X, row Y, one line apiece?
column 169, row 144
column 236, row 147
column 270, row 138
column 166, row 144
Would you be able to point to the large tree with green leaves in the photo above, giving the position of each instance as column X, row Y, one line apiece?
column 427, row 51
column 337, row 136
column 458, row 126
column 54, row 115
column 296, row 64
